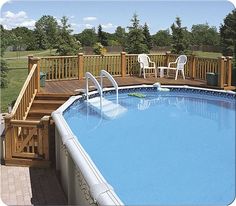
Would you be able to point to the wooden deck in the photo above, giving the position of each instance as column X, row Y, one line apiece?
column 69, row 86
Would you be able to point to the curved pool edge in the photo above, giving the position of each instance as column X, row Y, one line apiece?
column 94, row 188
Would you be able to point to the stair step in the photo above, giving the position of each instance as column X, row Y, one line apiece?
column 55, row 96
column 33, row 118
column 109, row 109
column 39, row 112
column 47, row 104
column 47, row 101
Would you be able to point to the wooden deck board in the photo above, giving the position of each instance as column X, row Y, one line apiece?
column 69, row 86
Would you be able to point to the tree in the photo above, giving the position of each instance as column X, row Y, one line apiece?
column 102, row 37
column 24, row 37
column 228, row 34
column 135, row 42
column 120, row 36
column 3, row 65
column 99, row 49
column 66, row 43
column 46, row 32
column 87, row 37
column 202, row 34
column 179, row 43
column 162, row 38
column 147, row 36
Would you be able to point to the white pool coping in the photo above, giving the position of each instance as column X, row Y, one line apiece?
column 100, row 190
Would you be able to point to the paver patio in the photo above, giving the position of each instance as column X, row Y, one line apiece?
column 30, row 186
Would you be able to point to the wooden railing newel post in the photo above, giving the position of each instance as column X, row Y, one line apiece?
column 45, row 136
column 123, row 64
column 30, row 62
column 80, row 65
column 221, row 72
column 229, row 67
column 35, row 60
column 8, row 137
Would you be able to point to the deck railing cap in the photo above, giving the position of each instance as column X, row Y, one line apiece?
column 35, row 58
column 222, row 57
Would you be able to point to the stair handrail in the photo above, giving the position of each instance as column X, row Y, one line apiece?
column 112, row 80
column 88, row 76
column 28, row 93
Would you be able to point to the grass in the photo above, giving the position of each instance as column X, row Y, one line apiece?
column 16, row 79
column 207, row 54
column 17, row 63
column 24, row 54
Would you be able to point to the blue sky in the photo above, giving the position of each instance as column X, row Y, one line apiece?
column 110, row 14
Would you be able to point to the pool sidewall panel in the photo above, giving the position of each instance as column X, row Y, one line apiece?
column 73, row 160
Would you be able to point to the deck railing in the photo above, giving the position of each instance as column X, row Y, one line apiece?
column 59, row 67
column 70, row 67
column 26, row 140
column 26, row 96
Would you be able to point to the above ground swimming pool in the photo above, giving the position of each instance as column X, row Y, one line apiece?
column 164, row 148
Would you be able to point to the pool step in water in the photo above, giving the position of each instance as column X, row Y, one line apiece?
column 109, row 110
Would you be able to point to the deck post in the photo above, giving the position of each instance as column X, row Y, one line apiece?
column 167, row 58
column 229, row 68
column 45, row 136
column 35, row 60
column 8, row 137
column 192, row 66
column 123, row 64
column 221, row 71
column 80, row 65
column 29, row 62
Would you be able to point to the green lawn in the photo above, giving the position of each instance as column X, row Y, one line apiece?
column 207, row 54
column 18, row 68
column 17, row 63
column 21, row 54
column 16, row 79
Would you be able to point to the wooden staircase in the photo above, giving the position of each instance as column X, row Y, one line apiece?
column 45, row 104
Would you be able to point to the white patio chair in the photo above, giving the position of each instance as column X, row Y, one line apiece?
column 180, row 62
column 146, row 64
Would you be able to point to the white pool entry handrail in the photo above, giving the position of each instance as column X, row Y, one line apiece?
column 112, row 80
column 88, row 76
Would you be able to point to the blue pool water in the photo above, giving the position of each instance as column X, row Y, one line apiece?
column 167, row 148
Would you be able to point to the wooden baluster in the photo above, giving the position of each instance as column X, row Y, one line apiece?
column 56, row 68
column 53, row 69
column 59, row 68
column 69, row 67
column 66, row 68
column 75, row 68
